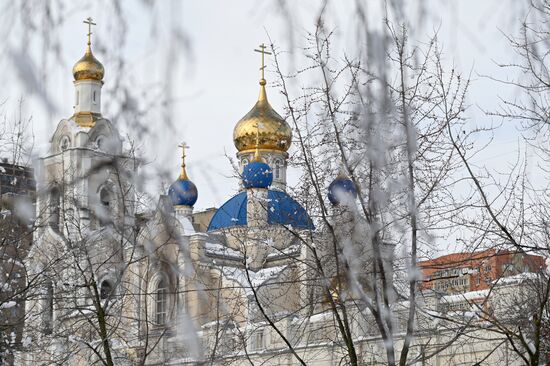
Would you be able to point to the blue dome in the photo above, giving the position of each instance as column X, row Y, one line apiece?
column 284, row 210
column 231, row 213
column 183, row 192
column 281, row 210
column 340, row 188
column 257, row 174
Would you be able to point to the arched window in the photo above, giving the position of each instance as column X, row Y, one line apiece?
column 278, row 167
column 93, row 97
column 244, row 162
column 106, row 289
column 161, row 302
column 54, row 209
column 103, row 209
column 77, row 97
column 64, row 143
column 105, row 197
column 100, row 142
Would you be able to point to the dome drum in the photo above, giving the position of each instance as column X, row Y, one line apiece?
column 257, row 174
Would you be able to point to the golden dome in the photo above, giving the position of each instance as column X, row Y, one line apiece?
column 88, row 67
column 264, row 124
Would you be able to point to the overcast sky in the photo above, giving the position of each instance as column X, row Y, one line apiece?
column 216, row 79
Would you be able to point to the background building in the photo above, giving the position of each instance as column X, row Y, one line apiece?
column 17, row 193
column 463, row 272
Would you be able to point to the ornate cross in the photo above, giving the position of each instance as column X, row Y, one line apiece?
column 90, row 22
column 263, row 52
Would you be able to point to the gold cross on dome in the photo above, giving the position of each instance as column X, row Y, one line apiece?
column 90, row 22
column 263, row 52
column 183, row 146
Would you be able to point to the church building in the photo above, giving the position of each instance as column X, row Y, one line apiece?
column 258, row 280
column 170, row 286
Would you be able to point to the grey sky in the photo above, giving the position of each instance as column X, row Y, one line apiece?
column 217, row 83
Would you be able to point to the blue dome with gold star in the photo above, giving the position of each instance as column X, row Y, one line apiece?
column 341, row 188
column 183, row 192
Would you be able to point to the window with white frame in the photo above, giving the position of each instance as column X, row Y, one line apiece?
column 258, row 340
column 278, row 167
column 54, row 203
column 161, row 302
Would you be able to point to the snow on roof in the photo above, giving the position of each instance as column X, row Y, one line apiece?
column 186, row 225
column 327, row 315
column 74, row 128
column 256, row 278
column 7, row 305
column 293, row 249
column 516, row 278
column 472, row 295
column 222, row 250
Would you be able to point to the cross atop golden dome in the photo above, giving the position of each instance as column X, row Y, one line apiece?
column 88, row 67
column 262, row 127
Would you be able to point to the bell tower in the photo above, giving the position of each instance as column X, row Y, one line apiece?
column 82, row 172
column 88, row 75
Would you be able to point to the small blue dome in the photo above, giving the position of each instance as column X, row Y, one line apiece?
column 340, row 188
column 257, row 174
column 183, row 192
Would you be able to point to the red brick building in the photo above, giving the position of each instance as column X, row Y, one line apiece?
column 464, row 272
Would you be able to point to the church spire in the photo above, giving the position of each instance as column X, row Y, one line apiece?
column 88, row 74
column 262, row 69
column 90, row 22
column 88, row 67
column 183, row 192
column 263, row 95
column 275, row 133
